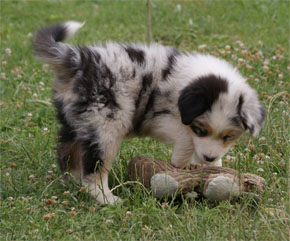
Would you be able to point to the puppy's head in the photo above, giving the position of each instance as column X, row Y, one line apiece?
column 216, row 111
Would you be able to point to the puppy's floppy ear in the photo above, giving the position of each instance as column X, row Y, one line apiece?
column 191, row 104
column 251, row 112
column 199, row 95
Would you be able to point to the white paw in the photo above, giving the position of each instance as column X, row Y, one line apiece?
column 108, row 199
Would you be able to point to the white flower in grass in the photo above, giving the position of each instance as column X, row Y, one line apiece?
column 45, row 130
column 29, row 116
column 266, row 62
column 31, row 177
column 227, row 47
column 260, row 54
column 280, row 76
column 265, row 68
column 128, row 214
column 260, row 170
column 66, row 193
column 241, row 44
column 109, row 221
column 240, row 60
column 8, row 52
column 244, row 51
column 250, row 67
column 178, row 8
column 202, row 47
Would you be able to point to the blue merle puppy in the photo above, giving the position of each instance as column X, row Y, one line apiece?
column 197, row 103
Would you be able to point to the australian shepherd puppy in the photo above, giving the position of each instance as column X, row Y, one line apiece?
column 197, row 103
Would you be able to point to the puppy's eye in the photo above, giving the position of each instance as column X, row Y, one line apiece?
column 199, row 131
column 228, row 138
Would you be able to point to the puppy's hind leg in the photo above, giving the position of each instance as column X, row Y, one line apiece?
column 97, row 161
column 69, row 153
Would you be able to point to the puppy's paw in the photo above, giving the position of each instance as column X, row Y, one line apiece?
column 112, row 199
column 108, row 199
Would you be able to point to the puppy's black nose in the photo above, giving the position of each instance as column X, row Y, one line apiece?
column 209, row 159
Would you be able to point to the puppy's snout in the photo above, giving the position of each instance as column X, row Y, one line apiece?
column 209, row 159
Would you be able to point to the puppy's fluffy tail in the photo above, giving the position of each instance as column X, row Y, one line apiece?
column 47, row 42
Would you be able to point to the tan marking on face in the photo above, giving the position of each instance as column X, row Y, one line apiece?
column 208, row 128
column 233, row 136
column 203, row 125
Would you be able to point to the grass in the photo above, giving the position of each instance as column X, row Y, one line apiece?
column 37, row 205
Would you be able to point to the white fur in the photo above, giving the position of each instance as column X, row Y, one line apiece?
column 72, row 27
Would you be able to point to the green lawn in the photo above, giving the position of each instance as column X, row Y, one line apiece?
column 35, row 203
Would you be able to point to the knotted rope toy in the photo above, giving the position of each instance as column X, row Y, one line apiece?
column 213, row 183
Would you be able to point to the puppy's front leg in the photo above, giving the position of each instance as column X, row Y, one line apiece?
column 182, row 153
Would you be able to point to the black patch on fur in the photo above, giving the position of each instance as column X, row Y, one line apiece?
column 136, row 55
column 46, row 38
column 149, row 106
column 198, row 97
column 170, row 64
column 236, row 121
column 263, row 114
column 161, row 112
column 240, row 117
column 150, row 102
column 240, row 103
column 146, row 84
column 92, row 159
column 134, row 73
column 95, row 84
column 70, row 66
column 66, row 134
